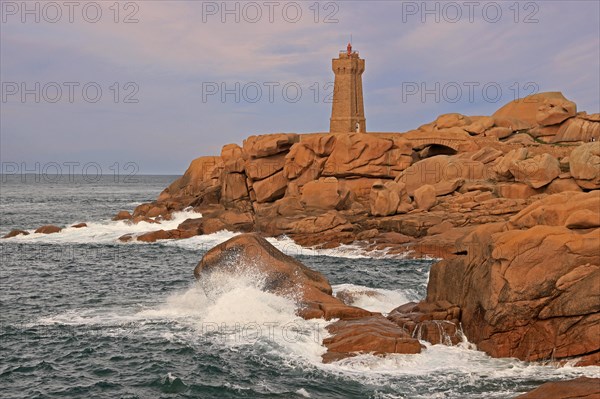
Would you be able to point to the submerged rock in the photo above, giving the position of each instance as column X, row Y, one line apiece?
column 48, row 229
column 14, row 233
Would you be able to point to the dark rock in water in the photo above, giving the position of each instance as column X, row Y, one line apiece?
column 79, row 225
column 582, row 387
column 15, row 233
column 48, row 229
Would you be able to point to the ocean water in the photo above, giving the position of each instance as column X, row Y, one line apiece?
column 85, row 316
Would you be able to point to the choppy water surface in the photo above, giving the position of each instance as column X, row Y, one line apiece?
column 84, row 315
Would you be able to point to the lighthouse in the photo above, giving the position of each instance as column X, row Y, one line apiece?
column 347, row 111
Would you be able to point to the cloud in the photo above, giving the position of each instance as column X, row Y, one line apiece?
column 172, row 51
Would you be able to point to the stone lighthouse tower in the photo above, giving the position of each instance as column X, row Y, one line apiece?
column 347, row 111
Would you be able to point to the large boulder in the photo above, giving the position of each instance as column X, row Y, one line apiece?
column 447, row 121
column 14, row 233
column 537, row 171
column 268, row 144
column 233, row 162
column 584, row 163
column 122, row 215
column 271, row 188
column 366, row 155
column 325, row 194
column 300, row 158
column 233, row 188
column 389, row 198
column 503, row 164
column 320, row 144
column 479, row 124
column 583, row 128
column 540, row 108
column 441, row 168
column 283, row 275
column 554, row 210
column 48, row 229
column 261, row 168
column 425, row 197
column 157, row 235
column 555, row 110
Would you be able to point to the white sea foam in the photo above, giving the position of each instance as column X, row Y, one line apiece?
column 284, row 244
column 374, row 299
column 303, row 392
column 108, row 231
column 442, row 365
column 234, row 311
column 231, row 309
column 103, row 232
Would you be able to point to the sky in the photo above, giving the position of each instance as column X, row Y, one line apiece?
column 156, row 84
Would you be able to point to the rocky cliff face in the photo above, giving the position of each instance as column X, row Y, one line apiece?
column 511, row 202
column 430, row 184
column 530, row 287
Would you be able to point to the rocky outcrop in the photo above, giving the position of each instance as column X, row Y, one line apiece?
column 579, row 388
column 360, row 154
column 198, row 180
column 526, row 288
column 283, row 275
column 437, row 323
column 583, row 128
column 357, row 331
column 288, row 183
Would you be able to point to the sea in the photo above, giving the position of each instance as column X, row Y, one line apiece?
column 84, row 315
